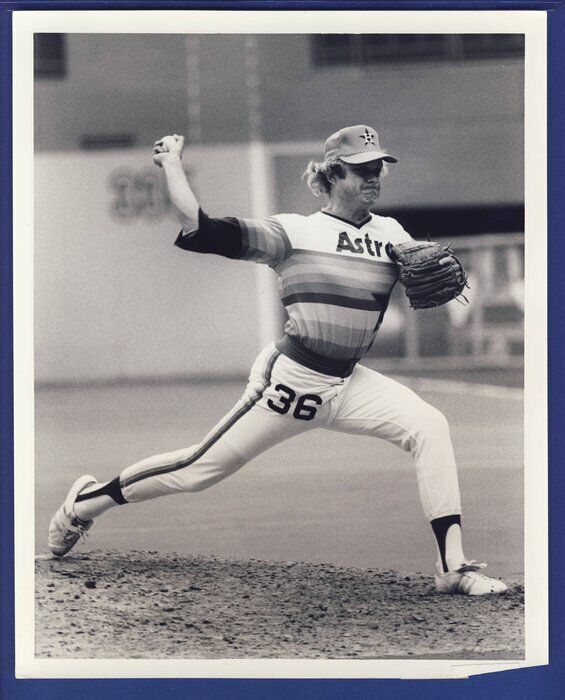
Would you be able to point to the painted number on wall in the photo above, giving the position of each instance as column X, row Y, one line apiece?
column 138, row 193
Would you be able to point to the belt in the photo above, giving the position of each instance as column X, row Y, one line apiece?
column 293, row 349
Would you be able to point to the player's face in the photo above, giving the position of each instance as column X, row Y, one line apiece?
column 361, row 183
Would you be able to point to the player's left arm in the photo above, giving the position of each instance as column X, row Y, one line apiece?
column 430, row 273
column 407, row 238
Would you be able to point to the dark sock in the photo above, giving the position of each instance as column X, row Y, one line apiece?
column 112, row 489
column 440, row 526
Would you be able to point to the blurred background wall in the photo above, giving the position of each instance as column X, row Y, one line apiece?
column 113, row 298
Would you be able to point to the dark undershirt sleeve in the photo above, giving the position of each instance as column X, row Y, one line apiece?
column 217, row 236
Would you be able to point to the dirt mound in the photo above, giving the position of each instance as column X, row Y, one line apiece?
column 109, row 604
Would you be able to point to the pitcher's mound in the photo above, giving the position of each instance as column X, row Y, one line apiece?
column 108, row 604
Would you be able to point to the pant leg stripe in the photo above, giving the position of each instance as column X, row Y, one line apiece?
column 165, row 469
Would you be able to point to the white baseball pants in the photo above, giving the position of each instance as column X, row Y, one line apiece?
column 283, row 399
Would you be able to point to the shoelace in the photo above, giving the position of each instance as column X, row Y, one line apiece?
column 77, row 527
column 472, row 566
column 79, row 533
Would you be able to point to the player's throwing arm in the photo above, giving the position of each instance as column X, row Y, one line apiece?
column 167, row 154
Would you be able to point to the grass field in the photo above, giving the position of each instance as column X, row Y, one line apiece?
column 323, row 497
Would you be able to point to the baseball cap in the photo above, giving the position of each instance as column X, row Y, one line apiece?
column 356, row 144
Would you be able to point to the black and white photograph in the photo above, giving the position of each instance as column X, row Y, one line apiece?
column 280, row 385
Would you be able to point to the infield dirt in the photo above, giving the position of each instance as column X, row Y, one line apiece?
column 109, row 604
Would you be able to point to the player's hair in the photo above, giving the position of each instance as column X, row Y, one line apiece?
column 318, row 175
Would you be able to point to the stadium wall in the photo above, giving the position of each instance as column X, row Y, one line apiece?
column 439, row 116
column 113, row 298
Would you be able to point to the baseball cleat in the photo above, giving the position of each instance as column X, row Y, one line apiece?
column 468, row 581
column 65, row 529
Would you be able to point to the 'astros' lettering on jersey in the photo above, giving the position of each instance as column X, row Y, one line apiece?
column 334, row 277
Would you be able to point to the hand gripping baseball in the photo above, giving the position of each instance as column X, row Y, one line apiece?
column 168, row 148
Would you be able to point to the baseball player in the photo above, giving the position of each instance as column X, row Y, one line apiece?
column 335, row 277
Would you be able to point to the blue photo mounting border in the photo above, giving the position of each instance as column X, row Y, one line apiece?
column 544, row 682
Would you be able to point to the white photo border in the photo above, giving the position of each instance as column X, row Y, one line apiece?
column 530, row 23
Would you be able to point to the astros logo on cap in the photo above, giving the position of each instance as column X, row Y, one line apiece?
column 344, row 145
column 368, row 136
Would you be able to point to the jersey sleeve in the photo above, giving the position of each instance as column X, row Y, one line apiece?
column 259, row 240
column 216, row 236
column 265, row 240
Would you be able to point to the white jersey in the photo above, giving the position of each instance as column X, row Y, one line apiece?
column 334, row 277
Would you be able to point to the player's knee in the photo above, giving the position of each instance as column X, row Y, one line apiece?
column 433, row 424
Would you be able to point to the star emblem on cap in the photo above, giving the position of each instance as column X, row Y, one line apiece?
column 368, row 136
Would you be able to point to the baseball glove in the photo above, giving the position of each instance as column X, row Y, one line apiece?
column 430, row 273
